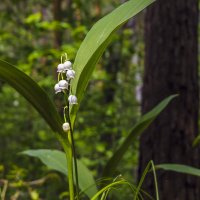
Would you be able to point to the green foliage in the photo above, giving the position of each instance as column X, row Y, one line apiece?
column 19, row 133
column 179, row 168
column 196, row 141
column 32, row 92
column 56, row 160
column 107, row 188
column 33, row 18
column 32, row 48
column 142, row 124
column 136, row 191
column 150, row 167
column 96, row 42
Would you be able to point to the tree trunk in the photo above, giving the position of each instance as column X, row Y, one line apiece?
column 57, row 12
column 171, row 68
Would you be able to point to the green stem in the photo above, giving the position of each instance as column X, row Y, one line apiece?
column 75, row 162
column 72, row 145
column 69, row 157
column 70, row 169
column 74, row 156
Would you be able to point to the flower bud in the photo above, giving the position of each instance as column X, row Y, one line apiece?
column 63, row 84
column 66, row 127
column 70, row 74
column 72, row 99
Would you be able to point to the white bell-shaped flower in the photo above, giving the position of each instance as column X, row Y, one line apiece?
column 72, row 99
column 70, row 74
column 61, row 68
column 63, row 84
column 66, row 127
column 57, row 88
column 67, row 65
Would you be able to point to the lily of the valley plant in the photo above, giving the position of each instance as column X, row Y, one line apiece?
column 65, row 75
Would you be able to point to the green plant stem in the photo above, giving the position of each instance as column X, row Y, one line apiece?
column 74, row 156
column 66, row 143
column 69, row 156
column 73, row 148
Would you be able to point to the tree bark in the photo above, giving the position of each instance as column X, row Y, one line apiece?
column 171, row 68
column 57, row 12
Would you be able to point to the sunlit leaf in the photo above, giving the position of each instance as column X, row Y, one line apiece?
column 96, row 42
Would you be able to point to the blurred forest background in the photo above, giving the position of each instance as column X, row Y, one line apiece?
column 33, row 35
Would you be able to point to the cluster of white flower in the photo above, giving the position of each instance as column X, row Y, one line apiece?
column 64, row 83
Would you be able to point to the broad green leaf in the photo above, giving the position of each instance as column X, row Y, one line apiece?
column 140, row 126
column 56, row 160
column 185, row 169
column 33, row 93
column 96, row 41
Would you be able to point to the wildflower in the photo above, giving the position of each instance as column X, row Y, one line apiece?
column 60, row 68
column 57, row 88
column 63, row 84
column 72, row 99
column 67, row 65
column 70, row 74
column 66, row 127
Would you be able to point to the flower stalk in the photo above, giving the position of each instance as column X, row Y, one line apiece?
column 65, row 74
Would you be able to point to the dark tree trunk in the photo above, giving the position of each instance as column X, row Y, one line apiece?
column 57, row 12
column 171, row 68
